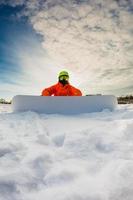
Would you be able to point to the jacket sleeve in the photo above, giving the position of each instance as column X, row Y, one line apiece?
column 76, row 92
column 48, row 91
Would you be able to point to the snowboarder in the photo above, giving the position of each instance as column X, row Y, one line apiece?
column 62, row 88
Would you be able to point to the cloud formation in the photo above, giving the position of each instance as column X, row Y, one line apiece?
column 93, row 39
column 13, row 3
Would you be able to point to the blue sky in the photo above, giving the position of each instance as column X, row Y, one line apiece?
column 93, row 40
column 15, row 36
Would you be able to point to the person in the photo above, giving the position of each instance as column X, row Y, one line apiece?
column 62, row 88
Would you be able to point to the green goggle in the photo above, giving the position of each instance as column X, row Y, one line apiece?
column 64, row 77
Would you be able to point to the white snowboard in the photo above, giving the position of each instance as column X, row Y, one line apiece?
column 63, row 104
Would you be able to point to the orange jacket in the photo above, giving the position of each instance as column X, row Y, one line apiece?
column 60, row 90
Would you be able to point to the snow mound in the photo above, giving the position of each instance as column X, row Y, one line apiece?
column 79, row 157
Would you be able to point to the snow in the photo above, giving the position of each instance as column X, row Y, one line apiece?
column 56, row 157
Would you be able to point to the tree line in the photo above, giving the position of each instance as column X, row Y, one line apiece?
column 3, row 101
column 128, row 99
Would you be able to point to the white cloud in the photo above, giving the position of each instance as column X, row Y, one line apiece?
column 91, row 38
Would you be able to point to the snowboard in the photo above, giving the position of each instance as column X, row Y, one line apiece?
column 63, row 104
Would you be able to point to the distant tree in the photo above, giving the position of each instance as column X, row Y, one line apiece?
column 2, row 100
column 125, row 99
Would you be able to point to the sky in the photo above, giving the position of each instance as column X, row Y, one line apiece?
column 91, row 39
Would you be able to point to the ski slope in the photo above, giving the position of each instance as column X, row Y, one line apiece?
column 56, row 157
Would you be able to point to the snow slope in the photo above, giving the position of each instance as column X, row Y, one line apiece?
column 56, row 157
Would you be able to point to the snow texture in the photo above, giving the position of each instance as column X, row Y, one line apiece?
column 56, row 157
